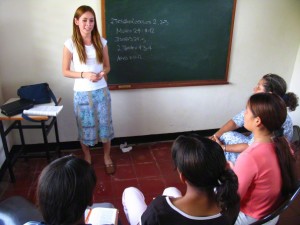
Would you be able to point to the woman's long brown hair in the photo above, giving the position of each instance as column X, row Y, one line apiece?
column 77, row 38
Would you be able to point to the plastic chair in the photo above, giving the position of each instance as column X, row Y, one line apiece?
column 280, row 209
column 17, row 210
column 296, row 133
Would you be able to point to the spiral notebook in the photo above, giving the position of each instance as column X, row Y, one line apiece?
column 44, row 110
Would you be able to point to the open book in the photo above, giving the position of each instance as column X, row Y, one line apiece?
column 101, row 216
column 44, row 110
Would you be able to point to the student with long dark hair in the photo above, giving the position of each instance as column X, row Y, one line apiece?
column 65, row 190
column 233, row 142
column 266, row 169
column 211, row 188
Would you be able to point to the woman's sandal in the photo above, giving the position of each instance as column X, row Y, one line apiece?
column 110, row 169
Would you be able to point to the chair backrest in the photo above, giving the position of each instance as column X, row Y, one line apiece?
column 17, row 210
column 280, row 209
column 296, row 133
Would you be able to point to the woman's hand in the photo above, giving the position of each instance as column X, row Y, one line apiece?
column 101, row 75
column 230, row 165
column 93, row 77
column 213, row 137
column 216, row 139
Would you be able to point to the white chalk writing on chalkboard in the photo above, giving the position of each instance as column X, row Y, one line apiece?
column 133, row 21
column 133, row 40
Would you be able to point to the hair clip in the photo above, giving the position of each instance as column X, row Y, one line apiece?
column 215, row 190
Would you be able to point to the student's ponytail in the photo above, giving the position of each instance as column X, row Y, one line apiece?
column 291, row 101
column 287, row 164
column 226, row 192
column 226, row 195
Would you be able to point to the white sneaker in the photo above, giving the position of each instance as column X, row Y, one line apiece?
column 125, row 148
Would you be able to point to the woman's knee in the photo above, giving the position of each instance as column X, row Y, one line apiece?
column 172, row 192
column 132, row 194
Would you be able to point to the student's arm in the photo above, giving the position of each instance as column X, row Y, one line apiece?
column 229, row 126
column 231, row 148
column 236, row 122
column 235, row 147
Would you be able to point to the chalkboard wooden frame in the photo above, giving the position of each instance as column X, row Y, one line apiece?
column 131, row 84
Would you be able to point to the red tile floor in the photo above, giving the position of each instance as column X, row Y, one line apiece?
column 148, row 167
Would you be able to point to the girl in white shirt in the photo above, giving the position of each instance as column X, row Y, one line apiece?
column 88, row 52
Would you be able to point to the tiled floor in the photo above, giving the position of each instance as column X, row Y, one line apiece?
column 147, row 166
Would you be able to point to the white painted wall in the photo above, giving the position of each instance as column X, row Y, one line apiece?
column 266, row 39
column 295, row 87
column 2, row 155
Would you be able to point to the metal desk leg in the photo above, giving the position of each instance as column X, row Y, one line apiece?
column 57, row 136
column 7, row 155
column 45, row 140
column 21, row 137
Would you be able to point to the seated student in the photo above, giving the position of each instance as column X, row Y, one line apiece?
column 211, row 189
column 65, row 189
column 232, row 142
column 266, row 169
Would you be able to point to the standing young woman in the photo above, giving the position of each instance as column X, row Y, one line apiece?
column 92, row 103
column 232, row 142
column 266, row 169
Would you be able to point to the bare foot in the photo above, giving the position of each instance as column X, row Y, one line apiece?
column 107, row 160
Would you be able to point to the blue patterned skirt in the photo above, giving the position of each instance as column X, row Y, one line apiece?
column 93, row 115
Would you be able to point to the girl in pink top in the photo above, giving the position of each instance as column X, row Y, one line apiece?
column 265, row 170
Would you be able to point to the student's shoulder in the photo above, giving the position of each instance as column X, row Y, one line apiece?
column 158, row 202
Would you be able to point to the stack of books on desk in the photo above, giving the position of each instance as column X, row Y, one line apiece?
column 43, row 110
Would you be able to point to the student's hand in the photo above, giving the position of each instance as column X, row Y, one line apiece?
column 223, row 146
column 216, row 139
column 213, row 137
column 230, row 165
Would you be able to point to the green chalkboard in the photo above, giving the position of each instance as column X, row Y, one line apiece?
column 168, row 42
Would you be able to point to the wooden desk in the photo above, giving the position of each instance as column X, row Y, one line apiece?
column 17, row 124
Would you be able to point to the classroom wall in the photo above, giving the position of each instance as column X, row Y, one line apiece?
column 266, row 39
column 2, row 155
column 295, row 87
